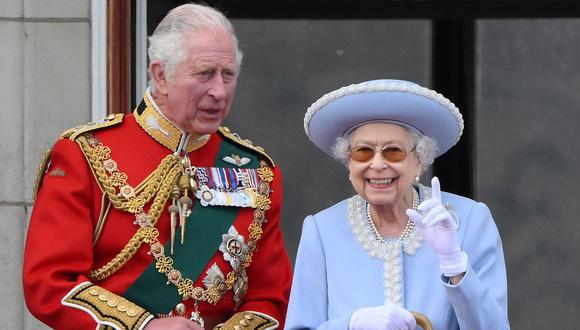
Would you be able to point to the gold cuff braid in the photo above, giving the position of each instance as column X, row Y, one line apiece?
column 250, row 321
column 107, row 308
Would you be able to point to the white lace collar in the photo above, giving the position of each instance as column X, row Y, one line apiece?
column 388, row 250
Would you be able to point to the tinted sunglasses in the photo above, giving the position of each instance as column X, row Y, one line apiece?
column 392, row 154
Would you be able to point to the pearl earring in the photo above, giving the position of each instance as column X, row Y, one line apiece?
column 417, row 179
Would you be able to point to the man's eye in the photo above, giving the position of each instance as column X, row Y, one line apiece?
column 228, row 76
column 206, row 73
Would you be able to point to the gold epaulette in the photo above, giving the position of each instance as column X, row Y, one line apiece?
column 249, row 320
column 234, row 137
column 107, row 308
column 111, row 120
column 42, row 168
column 72, row 134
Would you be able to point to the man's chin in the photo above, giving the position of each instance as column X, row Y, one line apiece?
column 206, row 128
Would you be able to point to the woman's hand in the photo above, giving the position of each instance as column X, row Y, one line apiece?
column 172, row 323
column 387, row 317
column 439, row 228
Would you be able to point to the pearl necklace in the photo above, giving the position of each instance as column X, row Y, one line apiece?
column 391, row 251
column 409, row 227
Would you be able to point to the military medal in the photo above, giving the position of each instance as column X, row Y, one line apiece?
column 237, row 160
column 233, row 248
column 173, row 183
column 223, row 186
column 205, row 195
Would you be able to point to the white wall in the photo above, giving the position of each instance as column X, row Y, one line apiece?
column 45, row 61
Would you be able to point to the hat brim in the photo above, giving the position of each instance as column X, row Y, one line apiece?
column 426, row 113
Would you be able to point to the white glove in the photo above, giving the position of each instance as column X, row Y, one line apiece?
column 439, row 228
column 387, row 317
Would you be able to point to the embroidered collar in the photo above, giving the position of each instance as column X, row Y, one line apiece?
column 160, row 128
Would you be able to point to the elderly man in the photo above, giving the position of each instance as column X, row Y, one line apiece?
column 162, row 219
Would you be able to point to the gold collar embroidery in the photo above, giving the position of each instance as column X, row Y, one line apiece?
column 163, row 130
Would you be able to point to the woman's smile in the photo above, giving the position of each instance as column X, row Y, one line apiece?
column 381, row 182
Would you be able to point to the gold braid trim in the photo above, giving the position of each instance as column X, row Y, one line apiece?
column 100, row 162
column 42, row 168
column 233, row 137
column 214, row 292
column 249, row 320
column 143, row 233
column 158, row 184
column 107, row 308
column 164, row 131
column 111, row 120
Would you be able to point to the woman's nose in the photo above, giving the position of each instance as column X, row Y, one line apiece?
column 378, row 162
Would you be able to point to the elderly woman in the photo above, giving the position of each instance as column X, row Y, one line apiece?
column 396, row 247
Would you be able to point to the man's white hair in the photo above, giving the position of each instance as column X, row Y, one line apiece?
column 166, row 44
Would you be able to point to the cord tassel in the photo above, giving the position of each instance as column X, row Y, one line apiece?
column 174, row 210
column 185, row 202
column 174, row 213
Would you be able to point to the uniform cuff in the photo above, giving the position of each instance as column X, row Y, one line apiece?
column 249, row 320
column 107, row 308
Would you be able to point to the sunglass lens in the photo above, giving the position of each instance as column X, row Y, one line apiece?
column 362, row 154
column 394, row 154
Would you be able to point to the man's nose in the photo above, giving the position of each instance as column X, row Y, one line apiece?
column 218, row 88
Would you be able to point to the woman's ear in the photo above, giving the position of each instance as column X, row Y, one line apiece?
column 419, row 167
column 157, row 72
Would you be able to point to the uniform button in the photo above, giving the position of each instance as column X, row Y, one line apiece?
column 112, row 302
column 132, row 312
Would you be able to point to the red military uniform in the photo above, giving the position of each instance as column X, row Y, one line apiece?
column 114, row 196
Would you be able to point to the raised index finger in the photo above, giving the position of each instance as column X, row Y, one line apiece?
column 435, row 189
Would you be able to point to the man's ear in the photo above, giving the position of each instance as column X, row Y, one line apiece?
column 157, row 72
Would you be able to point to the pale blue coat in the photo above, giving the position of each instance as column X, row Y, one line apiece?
column 334, row 275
